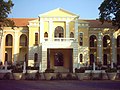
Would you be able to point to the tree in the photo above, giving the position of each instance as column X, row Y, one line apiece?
column 5, row 9
column 110, row 11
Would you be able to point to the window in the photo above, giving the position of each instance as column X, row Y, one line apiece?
column 105, row 59
column 91, row 59
column 118, row 41
column 71, row 35
column 58, row 59
column 81, row 39
column 81, row 58
column 45, row 34
column 93, row 41
column 36, row 38
column 35, row 59
column 118, row 59
column 59, row 32
column 106, row 41
column 9, row 40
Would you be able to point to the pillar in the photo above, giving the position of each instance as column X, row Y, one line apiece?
column 67, row 30
column 113, row 51
column 100, row 48
column 16, row 47
column 76, row 30
column 41, row 31
column 50, row 30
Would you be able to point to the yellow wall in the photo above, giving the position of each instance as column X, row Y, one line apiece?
column 32, row 31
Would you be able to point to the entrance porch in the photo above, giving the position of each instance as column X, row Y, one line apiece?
column 59, row 59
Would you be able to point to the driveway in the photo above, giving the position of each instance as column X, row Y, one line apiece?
column 59, row 85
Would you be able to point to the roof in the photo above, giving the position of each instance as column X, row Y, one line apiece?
column 59, row 12
column 98, row 24
column 22, row 21
column 92, row 23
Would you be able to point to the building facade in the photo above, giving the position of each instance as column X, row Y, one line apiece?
column 60, row 40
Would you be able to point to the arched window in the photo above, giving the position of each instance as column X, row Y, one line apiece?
column 93, row 41
column 118, row 59
column 45, row 34
column 36, row 38
column 91, row 59
column 106, row 41
column 35, row 59
column 118, row 41
column 6, row 57
column 71, row 35
column 105, row 59
column 59, row 32
column 25, row 57
column 58, row 59
column 81, row 58
column 9, row 40
column 23, row 40
column 81, row 39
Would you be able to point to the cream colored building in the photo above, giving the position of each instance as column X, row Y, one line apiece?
column 60, row 40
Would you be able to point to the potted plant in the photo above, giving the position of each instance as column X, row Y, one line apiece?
column 49, row 74
column 111, row 73
column 17, row 72
column 80, row 73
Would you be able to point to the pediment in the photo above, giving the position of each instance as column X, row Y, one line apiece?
column 58, row 13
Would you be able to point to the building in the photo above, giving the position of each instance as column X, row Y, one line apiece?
column 60, row 40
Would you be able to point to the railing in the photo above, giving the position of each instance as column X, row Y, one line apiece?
column 60, row 39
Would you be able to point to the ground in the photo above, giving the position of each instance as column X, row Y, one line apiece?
column 59, row 85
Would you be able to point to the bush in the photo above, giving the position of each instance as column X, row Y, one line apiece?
column 80, row 70
column 69, row 76
column 110, row 70
column 32, row 68
column 59, row 76
column 48, row 70
column 17, row 69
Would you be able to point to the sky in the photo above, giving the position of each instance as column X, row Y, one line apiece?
column 86, row 9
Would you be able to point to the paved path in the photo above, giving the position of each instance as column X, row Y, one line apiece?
column 59, row 85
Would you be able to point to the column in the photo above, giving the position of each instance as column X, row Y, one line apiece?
column 1, row 35
column 67, row 30
column 113, row 51
column 16, row 47
column 100, row 48
column 41, row 31
column 76, row 30
column 50, row 30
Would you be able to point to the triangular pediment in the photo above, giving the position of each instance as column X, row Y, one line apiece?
column 58, row 13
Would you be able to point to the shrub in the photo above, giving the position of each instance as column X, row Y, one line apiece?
column 17, row 69
column 59, row 76
column 80, row 70
column 110, row 70
column 48, row 70
column 32, row 68
column 69, row 76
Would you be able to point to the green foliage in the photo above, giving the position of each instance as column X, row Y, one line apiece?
column 110, row 11
column 17, row 68
column 110, row 70
column 48, row 70
column 80, row 70
column 5, row 9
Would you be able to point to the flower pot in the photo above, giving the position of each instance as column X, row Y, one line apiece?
column 80, row 76
column 17, row 76
column 111, row 76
